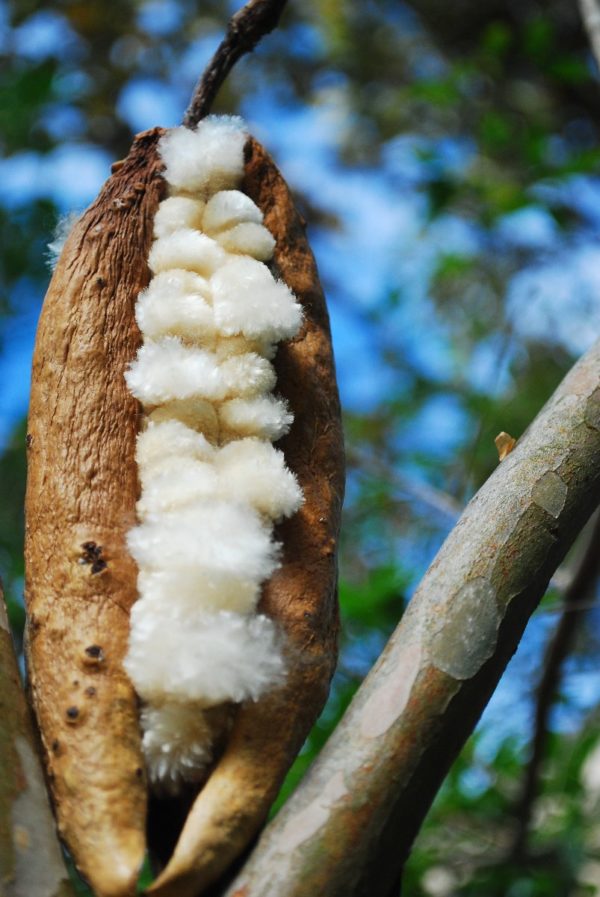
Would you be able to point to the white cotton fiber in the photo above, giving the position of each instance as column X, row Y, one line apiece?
column 195, row 413
column 174, row 484
column 166, row 370
column 220, row 537
column 247, row 375
column 266, row 417
column 178, row 282
column 248, row 239
column 170, row 438
column 162, row 312
column 178, row 212
column 256, row 473
column 206, row 658
column 227, row 346
column 188, row 249
column 194, row 589
column 205, row 160
column 177, row 743
column 227, row 208
column 212, row 484
column 247, row 300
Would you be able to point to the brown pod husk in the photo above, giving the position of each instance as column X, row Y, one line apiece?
column 81, row 494
column 82, row 489
column 301, row 595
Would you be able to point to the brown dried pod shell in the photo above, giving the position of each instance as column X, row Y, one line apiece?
column 81, row 582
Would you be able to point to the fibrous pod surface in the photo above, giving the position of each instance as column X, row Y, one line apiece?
column 81, row 494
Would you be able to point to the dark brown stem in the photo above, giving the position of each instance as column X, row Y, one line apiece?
column 245, row 29
column 557, row 652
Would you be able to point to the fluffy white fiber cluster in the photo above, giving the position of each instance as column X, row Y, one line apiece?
column 212, row 482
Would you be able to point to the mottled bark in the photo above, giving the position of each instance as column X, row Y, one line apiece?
column 348, row 828
column 31, row 863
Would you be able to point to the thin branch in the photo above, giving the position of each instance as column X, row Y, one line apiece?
column 558, row 650
column 590, row 13
column 348, row 828
column 244, row 31
column 31, row 861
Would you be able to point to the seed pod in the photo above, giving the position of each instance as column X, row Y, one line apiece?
column 81, row 582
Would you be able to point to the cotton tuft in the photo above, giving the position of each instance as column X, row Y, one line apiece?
column 227, row 208
column 187, row 249
column 212, row 483
column 266, row 417
column 248, row 239
column 178, row 212
column 205, row 160
column 247, row 300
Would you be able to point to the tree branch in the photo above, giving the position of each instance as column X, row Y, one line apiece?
column 244, row 31
column 349, row 827
column 590, row 13
column 31, row 863
column 558, row 650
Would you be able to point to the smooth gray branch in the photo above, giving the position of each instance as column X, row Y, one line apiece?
column 350, row 825
column 590, row 13
column 244, row 31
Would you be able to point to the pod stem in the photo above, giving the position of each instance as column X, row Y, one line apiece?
column 244, row 31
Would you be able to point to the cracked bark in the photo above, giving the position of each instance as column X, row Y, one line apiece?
column 349, row 827
column 31, row 863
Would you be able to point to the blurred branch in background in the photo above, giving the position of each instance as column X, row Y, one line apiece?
column 421, row 493
column 31, row 863
column 583, row 582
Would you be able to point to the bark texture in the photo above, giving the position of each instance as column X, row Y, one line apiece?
column 31, row 863
column 301, row 595
column 348, row 828
column 81, row 583
column 81, row 494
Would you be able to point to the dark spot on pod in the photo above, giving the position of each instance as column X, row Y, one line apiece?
column 29, row 440
column 75, row 683
column 90, row 691
column 93, row 655
column 139, row 772
column 55, row 746
column 72, row 714
column 100, row 282
column 91, row 553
